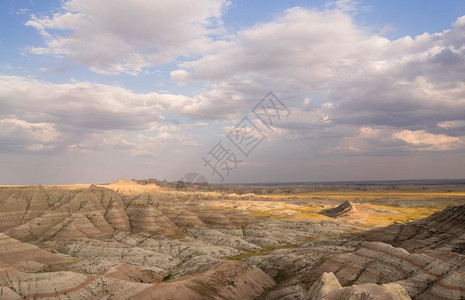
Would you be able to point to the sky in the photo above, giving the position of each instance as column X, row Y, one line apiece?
column 92, row 91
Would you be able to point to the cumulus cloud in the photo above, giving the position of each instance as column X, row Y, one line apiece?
column 355, row 77
column 452, row 124
column 21, row 136
column 298, row 39
column 427, row 141
column 83, row 116
column 79, row 104
column 369, row 94
column 390, row 141
column 127, row 36
column 363, row 78
column 145, row 143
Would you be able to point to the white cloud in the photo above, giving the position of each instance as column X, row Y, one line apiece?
column 428, row 141
column 367, row 92
column 128, row 36
column 84, row 104
column 452, row 124
column 148, row 143
column 22, row 11
column 389, row 141
column 179, row 75
column 367, row 140
column 83, row 116
column 39, row 132
column 295, row 41
column 362, row 79
column 18, row 135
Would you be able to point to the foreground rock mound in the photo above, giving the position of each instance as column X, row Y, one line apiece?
column 329, row 288
column 323, row 286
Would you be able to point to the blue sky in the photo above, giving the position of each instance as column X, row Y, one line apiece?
column 91, row 92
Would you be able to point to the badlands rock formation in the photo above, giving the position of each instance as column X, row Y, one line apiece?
column 96, row 242
column 343, row 209
column 424, row 257
column 127, row 241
